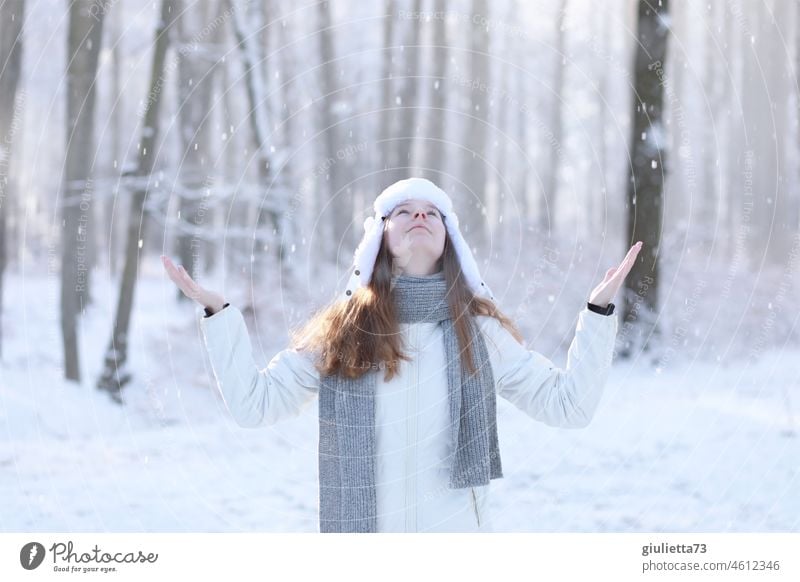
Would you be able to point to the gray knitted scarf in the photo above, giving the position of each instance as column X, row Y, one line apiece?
column 347, row 499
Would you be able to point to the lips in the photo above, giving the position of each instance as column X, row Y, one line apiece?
column 419, row 226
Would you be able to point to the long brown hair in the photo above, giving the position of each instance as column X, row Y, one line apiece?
column 354, row 336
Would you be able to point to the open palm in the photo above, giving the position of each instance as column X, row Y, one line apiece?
column 608, row 287
column 210, row 299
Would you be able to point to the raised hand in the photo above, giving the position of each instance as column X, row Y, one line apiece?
column 213, row 301
column 608, row 287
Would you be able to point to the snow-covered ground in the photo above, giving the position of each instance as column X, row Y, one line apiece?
column 696, row 446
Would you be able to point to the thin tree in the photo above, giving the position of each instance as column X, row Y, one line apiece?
column 407, row 100
column 548, row 208
column 713, row 79
column 594, row 208
column 762, row 134
column 645, row 189
column 249, row 27
column 504, row 148
column 734, row 137
column 341, row 208
column 83, row 49
column 115, row 372
column 195, row 78
column 475, row 137
column 386, row 124
column 112, row 232
column 433, row 146
column 520, row 176
column 289, row 98
column 783, row 225
column 11, row 19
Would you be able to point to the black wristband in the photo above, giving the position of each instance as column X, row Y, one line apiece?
column 208, row 312
column 608, row 310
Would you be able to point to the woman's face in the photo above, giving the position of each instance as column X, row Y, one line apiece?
column 415, row 234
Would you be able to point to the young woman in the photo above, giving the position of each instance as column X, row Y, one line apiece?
column 406, row 366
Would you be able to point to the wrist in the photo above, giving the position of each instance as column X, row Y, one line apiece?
column 212, row 309
column 606, row 309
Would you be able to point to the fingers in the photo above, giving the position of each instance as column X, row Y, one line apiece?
column 173, row 271
column 626, row 265
column 170, row 267
column 180, row 277
column 192, row 289
column 632, row 252
column 630, row 257
column 177, row 272
column 629, row 260
column 614, row 276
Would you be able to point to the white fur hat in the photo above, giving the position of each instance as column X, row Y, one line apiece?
column 400, row 191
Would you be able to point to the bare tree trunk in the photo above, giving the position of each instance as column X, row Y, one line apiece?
column 110, row 239
column 524, row 165
column 12, row 15
column 513, row 162
column 393, row 81
column 759, row 139
column 783, row 222
column 83, row 48
column 475, row 140
column 645, row 191
column 407, row 129
column 794, row 208
column 246, row 22
column 735, row 147
column 434, row 149
column 385, row 160
column 709, row 197
column 341, row 206
column 675, row 183
column 275, row 200
column 523, row 170
column 216, row 51
column 548, row 214
column 238, row 212
column 291, row 220
column 596, row 197
column 505, row 152
column 196, row 73
column 115, row 371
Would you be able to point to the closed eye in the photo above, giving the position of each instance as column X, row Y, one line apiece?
column 435, row 213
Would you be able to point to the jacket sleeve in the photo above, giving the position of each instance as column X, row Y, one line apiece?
column 256, row 397
column 565, row 398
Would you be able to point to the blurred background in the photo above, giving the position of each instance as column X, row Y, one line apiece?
column 247, row 139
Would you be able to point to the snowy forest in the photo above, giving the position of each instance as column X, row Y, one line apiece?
column 247, row 140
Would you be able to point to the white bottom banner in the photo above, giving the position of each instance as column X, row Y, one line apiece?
column 494, row 556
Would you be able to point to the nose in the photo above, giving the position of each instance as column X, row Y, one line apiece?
column 420, row 213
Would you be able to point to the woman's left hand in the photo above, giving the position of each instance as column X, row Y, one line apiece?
column 608, row 287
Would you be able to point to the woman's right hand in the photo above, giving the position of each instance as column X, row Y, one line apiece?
column 209, row 299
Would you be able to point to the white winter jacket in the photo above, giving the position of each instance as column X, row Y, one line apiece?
column 412, row 415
